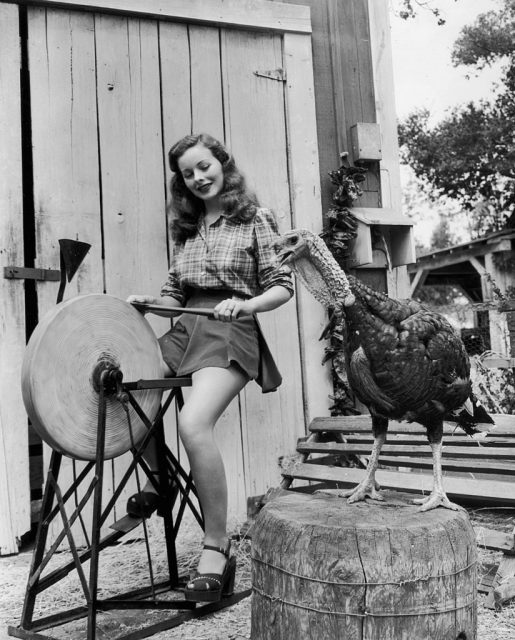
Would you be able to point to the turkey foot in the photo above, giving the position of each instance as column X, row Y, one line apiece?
column 365, row 489
column 361, row 491
column 434, row 500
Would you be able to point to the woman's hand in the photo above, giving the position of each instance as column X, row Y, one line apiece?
column 228, row 310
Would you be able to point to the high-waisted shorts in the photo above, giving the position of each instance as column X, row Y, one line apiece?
column 197, row 341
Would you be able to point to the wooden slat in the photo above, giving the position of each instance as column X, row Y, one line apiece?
column 486, row 583
column 132, row 169
column 476, row 467
column 504, row 425
column 208, row 116
column 463, row 466
column 498, row 453
column 253, row 14
column 206, row 80
column 14, row 462
column 256, row 134
column 325, row 90
column 174, row 50
column 416, row 440
column 490, row 492
column 382, row 74
column 496, row 540
column 349, row 31
column 307, row 213
column 65, row 152
column 175, row 85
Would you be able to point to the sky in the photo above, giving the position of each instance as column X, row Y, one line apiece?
column 425, row 77
column 423, row 73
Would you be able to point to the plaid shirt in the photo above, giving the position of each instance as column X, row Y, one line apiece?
column 235, row 255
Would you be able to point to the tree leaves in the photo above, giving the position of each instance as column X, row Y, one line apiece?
column 469, row 156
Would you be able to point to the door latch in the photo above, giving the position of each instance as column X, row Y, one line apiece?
column 27, row 273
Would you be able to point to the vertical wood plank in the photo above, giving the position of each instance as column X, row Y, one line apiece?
column 132, row 169
column 307, row 213
column 390, row 182
column 352, row 71
column 325, row 99
column 14, row 457
column 131, row 159
column 65, row 150
column 382, row 72
column 174, row 51
column 499, row 332
column 208, row 117
column 206, row 82
column 65, row 158
column 272, row 423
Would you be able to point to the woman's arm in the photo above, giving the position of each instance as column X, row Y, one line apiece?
column 270, row 299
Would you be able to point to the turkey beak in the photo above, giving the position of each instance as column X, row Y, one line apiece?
column 283, row 254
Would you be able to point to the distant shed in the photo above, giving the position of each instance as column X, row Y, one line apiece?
column 478, row 268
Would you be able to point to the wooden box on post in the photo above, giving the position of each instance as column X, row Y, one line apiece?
column 366, row 142
column 323, row 568
column 395, row 229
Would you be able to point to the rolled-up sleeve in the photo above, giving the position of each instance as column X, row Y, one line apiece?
column 172, row 287
column 269, row 273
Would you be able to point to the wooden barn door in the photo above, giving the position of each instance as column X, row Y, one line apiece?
column 109, row 94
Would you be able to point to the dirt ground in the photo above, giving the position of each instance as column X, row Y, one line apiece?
column 125, row 566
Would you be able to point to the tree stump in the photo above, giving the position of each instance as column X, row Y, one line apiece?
column 323, row 568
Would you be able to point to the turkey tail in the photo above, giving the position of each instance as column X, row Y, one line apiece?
column 470, row 414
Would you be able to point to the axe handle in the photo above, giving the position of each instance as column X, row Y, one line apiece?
column 172, row 311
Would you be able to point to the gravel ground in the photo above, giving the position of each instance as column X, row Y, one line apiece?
column 232, row 623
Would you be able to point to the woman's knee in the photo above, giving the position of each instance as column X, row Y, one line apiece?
column 193, row 432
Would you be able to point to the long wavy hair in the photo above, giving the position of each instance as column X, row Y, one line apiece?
column 237, row 202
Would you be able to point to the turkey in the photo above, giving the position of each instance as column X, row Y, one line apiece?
column 404, row 361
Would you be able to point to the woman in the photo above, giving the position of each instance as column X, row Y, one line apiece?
column 222, row 258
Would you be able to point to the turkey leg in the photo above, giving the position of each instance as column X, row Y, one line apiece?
column 437, row 497
column 368, row 487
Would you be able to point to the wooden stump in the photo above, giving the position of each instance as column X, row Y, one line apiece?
column 323, row 568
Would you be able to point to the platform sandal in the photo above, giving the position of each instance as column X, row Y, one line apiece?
column 144, row 503
column 212, row 587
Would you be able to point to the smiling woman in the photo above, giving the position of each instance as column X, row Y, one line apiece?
column 223, row 258
column 202, row 174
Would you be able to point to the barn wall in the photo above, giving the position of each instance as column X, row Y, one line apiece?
column 109, row 95
column 108, row 167
column 354, row 83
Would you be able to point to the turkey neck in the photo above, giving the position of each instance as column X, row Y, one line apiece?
column 322, row 275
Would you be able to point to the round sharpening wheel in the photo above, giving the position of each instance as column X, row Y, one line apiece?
column 61, row 373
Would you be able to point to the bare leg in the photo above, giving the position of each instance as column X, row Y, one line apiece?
column 212, row 390
column 437, row 498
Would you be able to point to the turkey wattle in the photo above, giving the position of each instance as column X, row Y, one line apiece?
column 404, row 361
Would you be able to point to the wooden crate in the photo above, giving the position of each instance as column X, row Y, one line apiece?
column 479, row 472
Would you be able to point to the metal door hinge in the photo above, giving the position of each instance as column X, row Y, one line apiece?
column 26, row 273
column 273, row 74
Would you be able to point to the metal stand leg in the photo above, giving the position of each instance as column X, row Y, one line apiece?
column 174, row 483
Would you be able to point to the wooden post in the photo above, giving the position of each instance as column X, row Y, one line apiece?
column 323, row 568
column 14, row 464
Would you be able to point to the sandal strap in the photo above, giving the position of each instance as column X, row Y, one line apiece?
column 215, row 577
column 223, row 550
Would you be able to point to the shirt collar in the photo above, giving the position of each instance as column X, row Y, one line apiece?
column 215, row 221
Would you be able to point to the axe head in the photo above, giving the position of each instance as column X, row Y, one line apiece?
column 73, row 253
